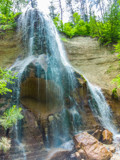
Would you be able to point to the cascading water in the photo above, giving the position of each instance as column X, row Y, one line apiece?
column 46, row 81
column 102, row 112
column 100, row 108
column 46, row 77
column 20, row 145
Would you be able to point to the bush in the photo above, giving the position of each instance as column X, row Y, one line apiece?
column 107, row 30
column 5, row 78
column 5, row 144
column 76, row 28
column 10, row 117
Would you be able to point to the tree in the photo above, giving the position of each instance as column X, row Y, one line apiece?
column 52, row 10
column 5, row 78
column 6, row 7
column 18, row 5
column 70, row 8
column 11, row 115
column 61, row 9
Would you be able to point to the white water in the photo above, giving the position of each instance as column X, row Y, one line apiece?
column 43, row 48
column 100, row 108
column 20, row 145
column 51, row 55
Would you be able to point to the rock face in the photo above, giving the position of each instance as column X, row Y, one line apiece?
column 93, row 149
column 80, row 154
column 30, row 144
column 96, row 62
column 107, row 137
column 44, row 97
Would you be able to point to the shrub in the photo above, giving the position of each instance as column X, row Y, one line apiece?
column 10, row 117
column 5, row 144
column 75, row 28
column 5, row 78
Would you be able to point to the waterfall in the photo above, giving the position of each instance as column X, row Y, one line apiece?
column 20, row 145
column 46, row 77
column 44, row 61
column 100, row 108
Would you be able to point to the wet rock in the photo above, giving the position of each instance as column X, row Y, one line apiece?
column 112, row 149
column 107, row 137
column 61, row 155
column 51, row 118
column 91, row 146
column 80, row 154
column 97, row 134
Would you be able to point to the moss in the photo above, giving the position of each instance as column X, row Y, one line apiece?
column 83, row 78
column 115, row 94
column 110, row 69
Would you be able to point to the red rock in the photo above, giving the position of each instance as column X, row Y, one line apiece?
column 92, row 147
column 107, row 137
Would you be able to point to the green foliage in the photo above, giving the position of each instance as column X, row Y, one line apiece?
column 5, row 144
column 6, row 7
column 7, row 15
column 63, row 39
column 68, row 29
column 58, row 23
column 114, row 93
column 107, row 30
column 5, row 78
column 117, row 48
column 75, row 28
column 117, row 80
column 10, row 117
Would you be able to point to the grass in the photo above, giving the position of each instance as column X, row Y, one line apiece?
column 64, row 39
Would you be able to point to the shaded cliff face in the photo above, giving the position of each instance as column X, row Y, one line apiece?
column 10, row 48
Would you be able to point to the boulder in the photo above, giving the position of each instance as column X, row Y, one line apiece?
column 97, row 134
column 60, row 155
column 107, row 137
column 80, row 154
column 91, row 146
column 112, row 149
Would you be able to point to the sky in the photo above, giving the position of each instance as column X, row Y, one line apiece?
column 43, row 5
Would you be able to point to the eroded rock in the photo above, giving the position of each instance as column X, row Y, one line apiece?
column 80, row 154
column 60, row 155
column 112, row 149
column 107, row 137
column 91, row 146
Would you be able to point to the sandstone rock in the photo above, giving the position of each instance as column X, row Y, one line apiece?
column 80, row 154
column 107, row 137
column 97, row 134
column 91, row 146
column 112, row 149
column 60, row 155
